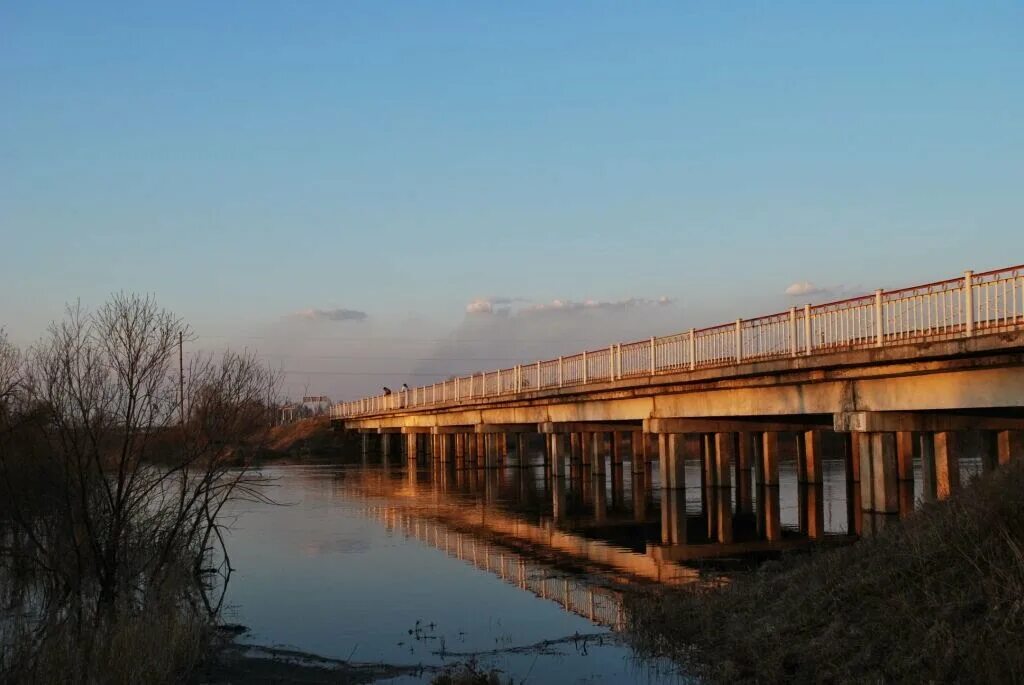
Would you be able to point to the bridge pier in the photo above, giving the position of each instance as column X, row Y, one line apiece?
column 767, row 467
column 673, row 517
column 879, row 489
column 947, row 463
column 671, row 460
column 1010, row 445
column 808, row 456
column 811, row 514
column 905, row 455
column 769, row 520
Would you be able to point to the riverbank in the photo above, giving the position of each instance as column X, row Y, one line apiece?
column 936, row 598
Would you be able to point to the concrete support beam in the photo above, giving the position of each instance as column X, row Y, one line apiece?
column 638, row 453
column 769, row 467
column 926, row 448
column 905, row 455
column 558, row 454
column 769, row 519
column 616, row 437
column 808, row 456
column 672, row 461
column 812, row 513
column 897, row 421
column 411, row 445
column 735, row 425
column 879, row 483
column 583, row 427
column 576, row 447
column 598, row 453
column 673, row 516
column 947, row 464
column 587, row 448
column 522, row 444
column 490, row 428
column 852, row 444
column 724, row 455
column 1010, row 445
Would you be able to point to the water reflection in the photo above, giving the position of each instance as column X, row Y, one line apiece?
column 525, row 556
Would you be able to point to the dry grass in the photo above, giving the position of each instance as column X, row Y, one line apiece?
column 939, row 598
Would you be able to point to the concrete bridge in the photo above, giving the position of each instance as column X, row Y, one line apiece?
column 919, row 375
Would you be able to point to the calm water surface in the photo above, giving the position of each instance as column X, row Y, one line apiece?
column 373, row 562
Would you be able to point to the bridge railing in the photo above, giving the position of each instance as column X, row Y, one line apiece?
column 958, row 307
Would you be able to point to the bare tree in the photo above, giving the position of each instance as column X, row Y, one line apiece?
column 115, row 497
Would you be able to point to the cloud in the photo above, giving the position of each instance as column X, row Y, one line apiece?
column 595, row 305
column 801, row 288
column 491, row 305
column 331, row 315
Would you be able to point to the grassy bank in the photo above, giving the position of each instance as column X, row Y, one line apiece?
column 938, row 598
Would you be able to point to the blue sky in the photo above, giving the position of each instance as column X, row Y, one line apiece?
column 245, row 161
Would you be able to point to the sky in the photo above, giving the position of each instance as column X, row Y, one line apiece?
column 369, row 193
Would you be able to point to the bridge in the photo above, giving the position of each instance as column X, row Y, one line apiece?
column 894, row 381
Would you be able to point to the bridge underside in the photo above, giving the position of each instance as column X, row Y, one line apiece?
column 885, row 406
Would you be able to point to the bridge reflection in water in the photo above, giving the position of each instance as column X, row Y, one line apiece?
column 582, row 539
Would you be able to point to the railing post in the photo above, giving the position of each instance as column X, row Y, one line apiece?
column 969, row 302
column 584, row 367
column 559, row 372
column 611, row 362
column 654, row 362
column 792, row 330
column 807, row 328
column 879, row 319
column 539, row 383
column 618, row 360
column 693, row 350
column 739, row 340
column 458, row 395
column 519, row 378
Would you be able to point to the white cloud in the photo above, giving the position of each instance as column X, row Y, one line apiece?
column 331, row 315
column 801, row 288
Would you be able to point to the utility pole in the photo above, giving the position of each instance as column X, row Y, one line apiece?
column 181, row 375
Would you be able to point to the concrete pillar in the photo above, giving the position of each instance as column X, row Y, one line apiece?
column 724, row 455
column 597, row 466
column 558, row 500
column 743, row 477
column 812, row 510
column 480, row 450
column 673, row 517
column 365, row 444
column 769, row 521
column 522, row 458
column 812, row 455
column 616, row 437
column 639, row 496
column 770, row 458
column 852, row 446
column 1010, row 446
column 618, row 486
column 587, row 448
column 708, row 473
column 638, row 453
column 853, row 508
column 879, row 491
column 502, row 449
column 926, row 441
column 557, row 451
column 410, row 447
column 905, row 455
column 671, row 461
column 722, row 499
column 600, row 499
column 576, row 447
column 947, row 464
column 385, row 445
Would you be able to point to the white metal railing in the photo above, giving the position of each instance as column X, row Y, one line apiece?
column 959, row 307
